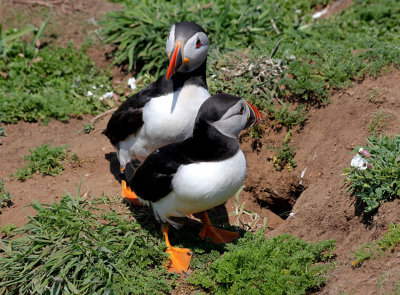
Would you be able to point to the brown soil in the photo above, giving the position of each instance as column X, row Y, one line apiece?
column 318, row 209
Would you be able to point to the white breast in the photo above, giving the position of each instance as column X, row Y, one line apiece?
column 201, row 186
column 167, row 119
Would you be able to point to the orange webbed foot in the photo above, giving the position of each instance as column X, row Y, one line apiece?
column 129, row 195
column 217, row 236
column 179, row 259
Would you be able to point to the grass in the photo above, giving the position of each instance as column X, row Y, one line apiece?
column 248, row 220
column 2, row 132
column 284, row 154
column 7, row 229
column 74, row 247
column 5, row 196
column 89, row 127
column 280, row 265
column 379, row 122
column 376, row 249
column 82, row 245
column 228, row 23
column 316, row 56
column 285, row 117
column 45, row 160
column 380, row 183
column 49, row 82
column 374, row 95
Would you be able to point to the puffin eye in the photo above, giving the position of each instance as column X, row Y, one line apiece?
column 241, row 110
column 168, row 36
column 198, row 43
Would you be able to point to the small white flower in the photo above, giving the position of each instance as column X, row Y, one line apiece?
column 89, row 93
column 107, row 95
column 359, row 162
column 94, row 87
column 132, row 83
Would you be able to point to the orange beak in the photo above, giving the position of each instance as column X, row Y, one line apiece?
column 256, row 113
column 175, row 60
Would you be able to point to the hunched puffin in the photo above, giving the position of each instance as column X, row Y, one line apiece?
column 198, row 173
column 164, row 112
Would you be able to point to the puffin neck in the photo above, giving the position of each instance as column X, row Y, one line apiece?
column 196, row 77
column 208, row 142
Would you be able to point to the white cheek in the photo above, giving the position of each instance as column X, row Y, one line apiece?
column 170, row 40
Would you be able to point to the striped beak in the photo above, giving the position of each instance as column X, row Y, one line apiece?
column 175, row 59
column 254, row 117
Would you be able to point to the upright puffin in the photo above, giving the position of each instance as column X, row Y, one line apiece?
column 164, row 112
column 198, row 173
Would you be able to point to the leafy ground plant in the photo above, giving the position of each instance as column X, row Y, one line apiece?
column 89, row 127
column 375, row 249
column 381, row 182
column 284, row 157
column 230, row 25
column 285, row 117
column 281, row 265
column 318, row 55
column 44, row 159
column 5, row 197
column 50, row 82
column 379, row 122
column 2, row 131
column 74, row 247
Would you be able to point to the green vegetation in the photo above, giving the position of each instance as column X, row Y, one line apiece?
column 380, row 183
column 5, row 197
column 316, row 55
column 281, row 265
column 287, row 118
column 7, row 229
column 80, row 246
column 2, row 131
column 73, row 247
column 374, row 95
column 88, row 128
column 38, row 84
column 379, row 122
column 284, row 156
column 139, row 31
column 45, row 160
column 375, row 249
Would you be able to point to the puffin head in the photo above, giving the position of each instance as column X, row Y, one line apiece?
column 187, row 47
column 229, row 114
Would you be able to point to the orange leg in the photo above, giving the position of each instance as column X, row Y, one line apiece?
column 179, row 259
column 216, row 235
column 128, row 194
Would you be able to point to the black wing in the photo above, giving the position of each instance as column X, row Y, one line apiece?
column 152, row 180
column 128, row 118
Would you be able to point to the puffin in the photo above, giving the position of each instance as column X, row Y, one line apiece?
column 197, row 174
column 165, row 111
